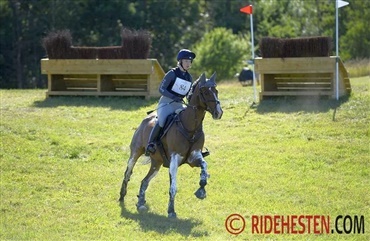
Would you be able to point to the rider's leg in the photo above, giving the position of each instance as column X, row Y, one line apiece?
column 150, row 149
column 166, row 106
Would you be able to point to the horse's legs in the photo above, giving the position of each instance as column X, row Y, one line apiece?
column 201, row 192
column 174, row 164
column 196, row 159
column 154, row 168
column 130, row 166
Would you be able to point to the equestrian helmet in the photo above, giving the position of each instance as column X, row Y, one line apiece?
column 185, row 54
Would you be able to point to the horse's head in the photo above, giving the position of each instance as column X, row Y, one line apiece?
column 205, row 94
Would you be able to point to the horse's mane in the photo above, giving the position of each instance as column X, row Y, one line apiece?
column 194, row 85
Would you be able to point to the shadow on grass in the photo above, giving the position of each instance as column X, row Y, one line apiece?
column 310, row 104
column 162, row 224
column 116, row 103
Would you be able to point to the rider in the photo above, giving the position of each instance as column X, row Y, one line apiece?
column 175, row 86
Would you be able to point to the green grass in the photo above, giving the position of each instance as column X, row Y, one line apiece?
column 63, row 158
column 358, row 67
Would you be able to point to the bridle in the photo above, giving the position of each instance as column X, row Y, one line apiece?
column 205, row 101
column 204, row 104
column 196, row 133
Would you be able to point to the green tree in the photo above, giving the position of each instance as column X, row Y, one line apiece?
column 226, row 14
column 220, row 51
column 21, row 50
column 173, row 25
column 355, row 41
column 6, row 53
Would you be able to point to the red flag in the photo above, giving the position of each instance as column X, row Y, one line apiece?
column 248, row 9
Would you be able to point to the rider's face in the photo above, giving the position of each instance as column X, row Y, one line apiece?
column 186, row 63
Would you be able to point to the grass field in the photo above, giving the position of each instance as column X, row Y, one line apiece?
column 63, row 158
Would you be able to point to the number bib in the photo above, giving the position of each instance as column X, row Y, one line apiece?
column 181, row 86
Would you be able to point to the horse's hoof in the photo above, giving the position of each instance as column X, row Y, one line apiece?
column 201, row 193
column 142, row 209
column 172, row 215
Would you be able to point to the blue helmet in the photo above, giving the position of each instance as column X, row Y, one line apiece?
column 185, row 54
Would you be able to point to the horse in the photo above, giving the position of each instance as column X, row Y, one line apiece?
column 181, row 142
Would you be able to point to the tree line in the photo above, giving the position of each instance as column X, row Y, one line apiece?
column 173, row 25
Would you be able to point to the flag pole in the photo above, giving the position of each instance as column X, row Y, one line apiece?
column 249, row 10
column 338, row 4
column 254, row 74
column 336, row 52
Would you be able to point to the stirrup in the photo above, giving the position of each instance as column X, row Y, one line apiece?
column 150, row 149
column 206, row 153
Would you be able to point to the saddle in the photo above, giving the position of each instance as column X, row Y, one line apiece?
column 174, row 119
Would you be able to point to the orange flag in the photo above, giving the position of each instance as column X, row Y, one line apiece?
column 248, row 9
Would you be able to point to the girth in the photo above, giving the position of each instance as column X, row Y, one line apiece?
column 191, row 136
column 186, row 133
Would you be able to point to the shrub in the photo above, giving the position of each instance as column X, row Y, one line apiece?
column 57, row 44
column 295, row 47
column 135, row 45
column 220, row 51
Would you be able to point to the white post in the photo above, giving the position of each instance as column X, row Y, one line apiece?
column 336, row 52
column 254, row 74
column 338, row 4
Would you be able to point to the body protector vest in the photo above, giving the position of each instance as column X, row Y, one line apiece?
column 181, row 85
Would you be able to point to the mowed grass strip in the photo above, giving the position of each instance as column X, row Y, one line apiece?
column 63, row 158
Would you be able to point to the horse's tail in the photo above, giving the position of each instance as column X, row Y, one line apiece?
column 145, row 160
column 141, row 135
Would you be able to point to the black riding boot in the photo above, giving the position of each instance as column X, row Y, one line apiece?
column 150, row 149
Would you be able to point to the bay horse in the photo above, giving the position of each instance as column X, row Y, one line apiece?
column 182, row 142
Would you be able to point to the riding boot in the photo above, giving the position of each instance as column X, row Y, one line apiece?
column 150, row 149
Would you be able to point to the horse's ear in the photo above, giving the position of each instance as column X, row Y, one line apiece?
column 213, row 77
column 202, row 79
column 212, row 81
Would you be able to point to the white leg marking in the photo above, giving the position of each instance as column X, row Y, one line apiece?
column 174, row 164
column 153, row 175
column 195, row 155
column 130, row 166
column 130, row 163
column 204, row 172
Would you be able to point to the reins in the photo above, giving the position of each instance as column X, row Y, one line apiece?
column 198, row 128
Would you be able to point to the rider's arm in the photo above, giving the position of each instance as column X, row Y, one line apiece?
column 163, row 88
